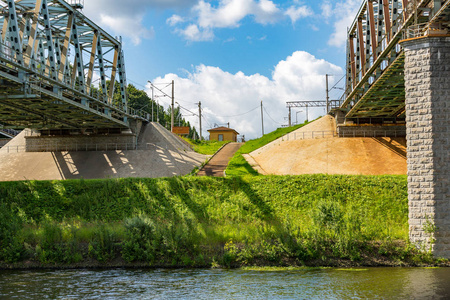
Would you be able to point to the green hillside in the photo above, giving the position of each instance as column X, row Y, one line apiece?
column 201, row 221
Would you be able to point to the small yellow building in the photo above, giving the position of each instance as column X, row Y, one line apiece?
column 223, row 134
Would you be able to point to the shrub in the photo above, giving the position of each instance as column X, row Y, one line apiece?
column 142, row 242
column 11, row 242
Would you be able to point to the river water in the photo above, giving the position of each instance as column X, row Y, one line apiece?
column 372, row 283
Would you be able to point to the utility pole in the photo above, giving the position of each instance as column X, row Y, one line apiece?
column 306, row 112
column 157, row 111
column 328, row 98
column 290, row 122
column 262, row 119
column 200, row 118
column 153, row 100
column 173, row 107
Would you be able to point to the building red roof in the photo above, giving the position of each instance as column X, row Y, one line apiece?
column 222, row 129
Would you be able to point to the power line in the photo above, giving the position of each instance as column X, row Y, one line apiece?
column 239, row 114
column 204, row 117
column 271, row 117
column 193, row 114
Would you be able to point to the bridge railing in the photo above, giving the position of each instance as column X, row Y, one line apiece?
column 3, row 142
column 9, row 131
column 424, row 29
column 78, row 147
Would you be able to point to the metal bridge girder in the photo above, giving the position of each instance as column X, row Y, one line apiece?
column 14, row 33
column 33, row 33
column 385, row 22
column 79, row 57
column 122, row 79
column 42, row 42
column 50, row 43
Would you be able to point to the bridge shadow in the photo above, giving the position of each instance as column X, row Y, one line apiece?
column 157, row 162
column 396, row 145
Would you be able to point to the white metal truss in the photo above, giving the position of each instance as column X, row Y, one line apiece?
column 48, row 41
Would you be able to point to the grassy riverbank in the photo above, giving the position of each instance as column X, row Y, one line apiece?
column 199, row 221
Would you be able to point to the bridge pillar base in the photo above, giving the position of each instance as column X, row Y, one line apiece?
column 427, row 83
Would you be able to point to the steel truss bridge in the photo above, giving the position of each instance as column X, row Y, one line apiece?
column 375, row 85
column 51, row 57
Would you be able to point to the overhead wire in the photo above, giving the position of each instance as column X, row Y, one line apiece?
column 204, row 117
column 239, row 114
column 270, row 116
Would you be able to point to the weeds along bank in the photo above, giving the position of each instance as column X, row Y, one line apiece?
column 201, row 221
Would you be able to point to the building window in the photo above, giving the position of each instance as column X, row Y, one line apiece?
column 220, row 137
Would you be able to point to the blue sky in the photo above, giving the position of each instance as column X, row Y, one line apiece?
column 232, row 54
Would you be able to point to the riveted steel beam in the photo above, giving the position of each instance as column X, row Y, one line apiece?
column 362, row 50
column 65, row 49
column 13, row 30
column 33, row 32
column 92, row 61
column 385, row 23
column 122, row 80
column 373, row 36
column 49, row 36
column 56, row 38
column 387, row 19
column 113, row 73
column 78, row 64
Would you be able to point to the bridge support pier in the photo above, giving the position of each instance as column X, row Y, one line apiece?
column 427, row 83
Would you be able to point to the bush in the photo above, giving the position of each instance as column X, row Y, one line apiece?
column 103, row 244
column 11, row 242
column 142, row 242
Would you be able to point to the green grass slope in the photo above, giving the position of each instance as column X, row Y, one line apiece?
column 206, row 147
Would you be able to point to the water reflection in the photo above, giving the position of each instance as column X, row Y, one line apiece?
column 379, row 283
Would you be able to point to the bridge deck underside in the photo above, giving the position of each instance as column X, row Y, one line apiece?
column 38, row 105
column 386, row 97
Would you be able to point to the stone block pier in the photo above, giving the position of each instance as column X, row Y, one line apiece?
column 427, row 86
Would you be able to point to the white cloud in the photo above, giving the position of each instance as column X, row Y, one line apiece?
column 227, row 15
column 174, row 20
column 296, row 13
column 227, row 97
column 266, row 12
column 230, row 13
column 327, row 9
column 195, row 34
column 131, row 28
column 345, row 12
column 125, row 17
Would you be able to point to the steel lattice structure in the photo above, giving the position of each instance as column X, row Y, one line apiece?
column 50, row 55
column 375, row 84
column 316, row 103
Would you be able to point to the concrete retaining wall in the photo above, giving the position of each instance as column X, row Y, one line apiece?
column 427, row 83
column 371, row 131
column 80, row 143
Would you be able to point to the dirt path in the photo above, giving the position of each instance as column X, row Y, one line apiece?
column 219, row 162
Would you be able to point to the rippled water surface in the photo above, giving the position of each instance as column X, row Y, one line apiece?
column 374, row 283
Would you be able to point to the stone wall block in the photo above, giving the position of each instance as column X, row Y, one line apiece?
column 427, row 87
